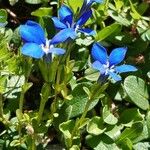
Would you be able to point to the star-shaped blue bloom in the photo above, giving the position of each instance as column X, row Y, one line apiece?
column 107, row 65
column 69, row 28
column 35, row 43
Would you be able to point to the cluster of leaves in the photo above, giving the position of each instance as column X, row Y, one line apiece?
column 79, row 113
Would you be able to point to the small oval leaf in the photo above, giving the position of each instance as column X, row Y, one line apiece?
column 137, row 91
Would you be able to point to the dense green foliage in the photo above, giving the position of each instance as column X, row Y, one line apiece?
column 61, row 104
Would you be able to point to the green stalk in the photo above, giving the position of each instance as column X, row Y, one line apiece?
column 41, row 109
column 21, row 101
column 45, row 92
column 60, row 3
column 78, row 123
column 1, row 106
column 33, row 143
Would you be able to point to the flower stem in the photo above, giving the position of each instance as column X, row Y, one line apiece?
column 41, row 109
column 78, row 122
column 1, row 106
column 21, row 101
column 33, row 143
column 45, row 92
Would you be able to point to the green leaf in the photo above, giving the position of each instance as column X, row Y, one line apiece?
column 66, row 128
column 101, row 142
column 146, row 35
column 118, row 4
column 136, row 116
column 142, row 146
column 3, row 17
column 132, row 132
column 75, row 4
column 96, row 126
column 13, row 2
column 26, row 86
column 64, row 114
column 113, row 131
column 33, row 1
column 2, row 83
column 137, row 91
column 45, row 92
column 15, row 143
column 119, row 18
column 148, row 121
column 133, row 12
column 97, row 90
column 75, row 147
column 144, row 135
column 19, row 114
column 42, row 11
column 91, row 74
column 79, row 100
column 142, row 8
column 126, row 144
column 14, row 85
column 108, row 117
column 107, row 31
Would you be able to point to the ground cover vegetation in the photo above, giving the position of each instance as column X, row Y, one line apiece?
column 74, row 74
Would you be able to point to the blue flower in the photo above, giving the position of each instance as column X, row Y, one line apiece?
column 87, row 4
column 35, row 43
column 107, row 64
column 68, row 26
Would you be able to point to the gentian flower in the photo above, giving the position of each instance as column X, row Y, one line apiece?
column 35, row 43
column 107, row 65
column 68, row 26
column 87, row 4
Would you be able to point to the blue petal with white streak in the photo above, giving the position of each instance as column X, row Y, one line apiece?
column 125, row 68
column 63, row 35
column 107, row 65
column 32, row 50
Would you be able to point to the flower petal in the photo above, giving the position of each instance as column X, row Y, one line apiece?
column 125, row 68
column 114, row 76
column 98, row 66
column 63, row 35
column 99, row 53
column 66, row 14
column 97, row 1
column 83, row 19
column 58, row 24
column 87, row 31
column 32, row 32
column 58, row 51
column 117, row 55
column 32, row 50
column 87, row 4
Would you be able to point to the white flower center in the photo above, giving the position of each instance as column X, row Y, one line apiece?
column 88, row 1
column 76, row 28
column 108, row 68
column 68, row 24
column 47, row 46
